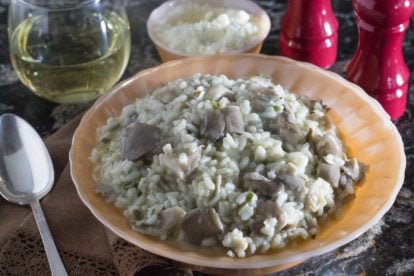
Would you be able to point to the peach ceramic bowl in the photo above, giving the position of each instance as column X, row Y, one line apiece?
column 166, row 53
column 362, row 123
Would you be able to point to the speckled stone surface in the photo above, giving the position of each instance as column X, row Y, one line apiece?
column 386, row 249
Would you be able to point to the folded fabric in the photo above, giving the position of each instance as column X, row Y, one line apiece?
column 85, row 246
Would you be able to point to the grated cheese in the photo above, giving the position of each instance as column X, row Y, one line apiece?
column 202, row 29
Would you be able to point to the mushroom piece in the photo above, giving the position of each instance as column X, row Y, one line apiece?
column 193, row 161
column 267, row 209
column 172, row 163
column 200, row 224
column 284, row 124
column 233, row 119
column 291, row 181
column 267, row 93
column 345, row 180
column 261, row 185
column 330, row 173
column 313, row 104
column 329, row 144
column 138, row 139
column 171, row 217
column 213, row 125
column 217, row 91
column 258, row 106
column 161, row 144
column 262, row 98
column 288, row 177
column 354, row 169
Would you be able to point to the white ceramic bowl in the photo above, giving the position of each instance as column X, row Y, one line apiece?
column 365, row 127
column 166, row 53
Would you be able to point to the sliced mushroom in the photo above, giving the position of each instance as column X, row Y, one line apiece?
column 200, row 224
column 292, row 181
column 217, row 91
column 261, row 185
column 161, row 144
column 267, row 93
column 319, row 105
column 284, row 124
column 329, row 144
column 287, row 175
column 256, row 225
column 258, row 106
column 138, row 139
column 171, row 217
column 213, row 125
column 172, row 163
column 147, row 157
column 233, row 119
column 272, row 209
column 331, row 173
column 193, row 161
column 345, row 180
column 354, row 169
column 262, row 98
column 267, row 209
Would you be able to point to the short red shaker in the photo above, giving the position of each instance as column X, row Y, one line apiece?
column 309, row 32
column 378, row 64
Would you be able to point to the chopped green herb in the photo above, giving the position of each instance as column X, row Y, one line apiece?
column 197, row 93
column 278, row 108
column 105, row 140
column 127, row 185
column 249, row 197
column 215, row 104
column 137, row 214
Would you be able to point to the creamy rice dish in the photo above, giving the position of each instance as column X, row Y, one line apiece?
column 242, row 165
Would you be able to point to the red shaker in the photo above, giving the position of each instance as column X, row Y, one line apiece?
column 309, row 32
column 378, row 65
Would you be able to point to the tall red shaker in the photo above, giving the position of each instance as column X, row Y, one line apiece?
column 378, row 64
column 309, row 32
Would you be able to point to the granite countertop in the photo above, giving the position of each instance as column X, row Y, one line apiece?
column 387, row 248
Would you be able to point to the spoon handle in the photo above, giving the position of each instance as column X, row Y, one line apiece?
column 55, row 263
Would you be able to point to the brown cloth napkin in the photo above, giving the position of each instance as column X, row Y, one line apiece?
column 85, row 246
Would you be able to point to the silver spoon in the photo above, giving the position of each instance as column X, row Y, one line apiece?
column 26, row 175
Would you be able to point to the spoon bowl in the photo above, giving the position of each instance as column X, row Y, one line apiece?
column 26, row 175
column 26, row 169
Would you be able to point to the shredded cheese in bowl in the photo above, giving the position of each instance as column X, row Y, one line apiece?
column 201, row 29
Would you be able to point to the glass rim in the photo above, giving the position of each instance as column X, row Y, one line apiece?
column 43, row 7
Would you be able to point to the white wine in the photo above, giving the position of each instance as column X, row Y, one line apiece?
column 71, row 57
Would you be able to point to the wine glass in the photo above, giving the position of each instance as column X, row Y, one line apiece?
column 69, row 51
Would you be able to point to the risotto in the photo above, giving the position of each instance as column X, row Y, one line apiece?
column 241, row 164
